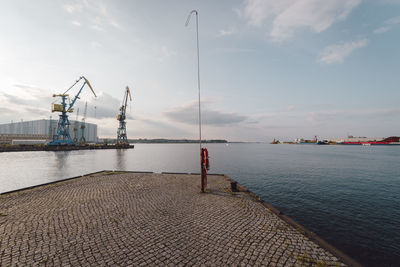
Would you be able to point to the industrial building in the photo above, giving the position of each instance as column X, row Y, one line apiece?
column 48, row 128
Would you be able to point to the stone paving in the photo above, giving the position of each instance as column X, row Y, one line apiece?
column 136, row 219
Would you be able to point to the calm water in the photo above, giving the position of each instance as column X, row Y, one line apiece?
column 349, row 195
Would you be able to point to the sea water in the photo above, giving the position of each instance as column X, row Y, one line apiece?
column 348, row 195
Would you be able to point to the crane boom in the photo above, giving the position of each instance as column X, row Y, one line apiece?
column 88, row 83
column 129, row 91
column 80, row 90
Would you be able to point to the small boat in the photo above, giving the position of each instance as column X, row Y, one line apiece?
column 323, row 142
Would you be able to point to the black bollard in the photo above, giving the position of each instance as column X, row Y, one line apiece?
column 234, row 187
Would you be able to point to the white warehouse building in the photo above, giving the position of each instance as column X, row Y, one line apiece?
column 49, row 128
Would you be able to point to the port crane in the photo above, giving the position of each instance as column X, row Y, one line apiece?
column 82, row 140
column 122, row 139
column 63, row 136
column 76, row 127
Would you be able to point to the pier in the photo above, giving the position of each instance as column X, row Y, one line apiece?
column 21, row 148
column 143, row 219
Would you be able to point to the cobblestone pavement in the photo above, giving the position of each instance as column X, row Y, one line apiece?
column 136, row 219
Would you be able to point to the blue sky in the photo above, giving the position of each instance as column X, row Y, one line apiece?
column 269, row 69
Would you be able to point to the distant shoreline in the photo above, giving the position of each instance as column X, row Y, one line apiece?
column 188, row 141
column 167, row 141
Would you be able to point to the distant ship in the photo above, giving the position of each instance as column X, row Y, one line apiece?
column 393, row 140
column 302, row 141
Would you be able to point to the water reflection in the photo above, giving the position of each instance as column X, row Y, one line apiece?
column 62, row 159
column 120, row 159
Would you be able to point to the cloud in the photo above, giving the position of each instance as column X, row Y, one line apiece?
column 381, row 30
column 95, row 44
column 388, row 24
column 30, row 103
column 156, row 128
column 73, row 8
column 93, row 13
column 337, row 53
column 104, row 106
column 393, row 21
column 165, row 53
column 289, row 16
column 188, row 114
column 76, row 23
column 25, row 102
column 227, row 32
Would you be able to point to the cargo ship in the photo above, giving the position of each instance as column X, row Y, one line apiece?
column 393, row 140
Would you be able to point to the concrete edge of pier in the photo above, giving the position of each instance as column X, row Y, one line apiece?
column 312, row 236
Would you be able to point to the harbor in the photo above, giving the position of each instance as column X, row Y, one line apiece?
column 64, row 134
column 350, row 140
column 141, row 219
column 290, row 107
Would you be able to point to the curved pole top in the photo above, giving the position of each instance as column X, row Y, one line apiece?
column 190, row 15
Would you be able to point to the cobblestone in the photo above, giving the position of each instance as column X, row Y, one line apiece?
column 137, row 219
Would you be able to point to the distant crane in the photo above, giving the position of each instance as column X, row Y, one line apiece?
column 76, row 127
column 62, row 136
column 122, row 139
column 82, row 140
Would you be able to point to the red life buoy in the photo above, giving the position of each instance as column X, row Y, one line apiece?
column 204, row 158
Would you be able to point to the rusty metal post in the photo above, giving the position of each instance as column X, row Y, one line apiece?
column 203, row 179
column 204, row 167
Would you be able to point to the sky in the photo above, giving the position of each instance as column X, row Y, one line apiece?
column 268, row 69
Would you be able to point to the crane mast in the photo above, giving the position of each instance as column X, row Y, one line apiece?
column 122, row 139
column 82, row 140
column 76, row 127
column 63, row 136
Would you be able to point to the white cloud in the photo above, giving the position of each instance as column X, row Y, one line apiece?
column 393, row 21
column 73, row 7
column 388, row 25
column 93, row 13
column 25, row 102
column 227, row 32
column 381, row 30
column 289, row 16
column 337, row 53
column 96, row 23
column 76, row 23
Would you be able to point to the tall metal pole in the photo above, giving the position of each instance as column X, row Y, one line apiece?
column 198, row 68
column 198, row 72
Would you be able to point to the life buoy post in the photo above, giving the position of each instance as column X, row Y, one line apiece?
column 205, row 165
